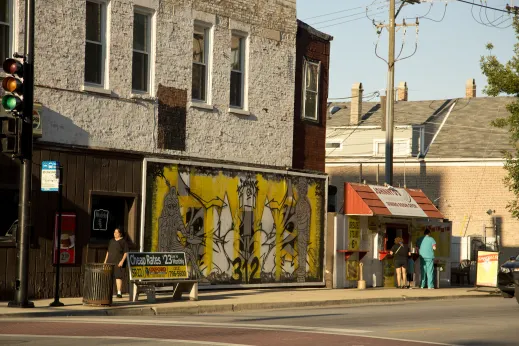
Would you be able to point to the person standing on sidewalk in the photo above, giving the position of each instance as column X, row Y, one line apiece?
column 400, row 252
column 116, row 255
column 426, row 247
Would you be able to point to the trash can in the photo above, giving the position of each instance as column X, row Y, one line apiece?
column 98, row 284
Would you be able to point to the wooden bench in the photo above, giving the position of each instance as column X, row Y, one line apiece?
column 152, row 270
column 461, row 271
column 149, row 288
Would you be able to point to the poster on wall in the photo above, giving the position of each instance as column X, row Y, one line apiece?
column 352, row 270
column 100, row 222
column 237, row 227
column 488, row 265
column 67, row 243
column 353, row 232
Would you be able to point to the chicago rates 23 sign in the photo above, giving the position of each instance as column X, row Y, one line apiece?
column 157, row 265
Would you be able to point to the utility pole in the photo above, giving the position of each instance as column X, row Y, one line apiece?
column 24, row 210
column 390, row 99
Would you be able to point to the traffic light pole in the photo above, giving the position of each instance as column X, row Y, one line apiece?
column 24, row 210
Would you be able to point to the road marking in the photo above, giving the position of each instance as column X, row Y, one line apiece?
column 412, row 330
column 122, row 337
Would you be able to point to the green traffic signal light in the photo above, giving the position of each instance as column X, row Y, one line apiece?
column 11, row 102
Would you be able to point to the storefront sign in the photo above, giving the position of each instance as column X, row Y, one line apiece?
column 398, row 201
column 353, row 232
column 67, row 251
column 157, row 265
column 488, row 264
column 50, row 176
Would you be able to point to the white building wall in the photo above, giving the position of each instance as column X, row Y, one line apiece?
column 117, row 119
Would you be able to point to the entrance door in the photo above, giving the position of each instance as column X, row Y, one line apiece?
column 393, row 231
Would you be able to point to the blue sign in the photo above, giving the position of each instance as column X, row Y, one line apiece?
column 50, row 176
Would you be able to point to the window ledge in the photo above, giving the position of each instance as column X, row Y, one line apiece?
column 96, row 89
column 142, row 96
column 239, row 111
column 201, row 105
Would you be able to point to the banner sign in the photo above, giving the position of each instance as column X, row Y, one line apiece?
column 398, row 201
column 488, row 265
column 50, row 176
column 67, row 243
column 157, row 265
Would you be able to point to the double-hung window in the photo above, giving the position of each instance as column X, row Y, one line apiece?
column 200, row 78
column 95, row 47
column 401, row 147
column 141, row 51
column 237, row 71
column 311, row 90
column 6, row 28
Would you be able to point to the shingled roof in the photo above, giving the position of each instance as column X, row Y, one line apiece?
column 466, row 133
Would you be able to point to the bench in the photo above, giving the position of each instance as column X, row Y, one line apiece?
column 152, row 270
column 461, row 271
column 149, row 288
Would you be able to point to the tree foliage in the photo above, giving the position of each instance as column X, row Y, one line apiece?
column 504, row 79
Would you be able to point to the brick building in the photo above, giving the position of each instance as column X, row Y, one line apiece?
column 311, row 97
column 447, row 148
column 204, row 88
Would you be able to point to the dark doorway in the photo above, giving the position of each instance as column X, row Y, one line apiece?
column 393, row 231
column 110, row 211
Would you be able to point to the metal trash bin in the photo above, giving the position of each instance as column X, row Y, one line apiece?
column 98, row 284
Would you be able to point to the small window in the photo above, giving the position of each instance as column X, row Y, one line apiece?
column 401, row 147
column 201, row 36
column 237, row 70
column 109, row 211
column 141, row 52
column 333, row 145
column 6, row 30
column 312, row 72
column 95, row 46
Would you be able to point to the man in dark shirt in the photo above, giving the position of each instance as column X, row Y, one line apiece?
column 116, row 255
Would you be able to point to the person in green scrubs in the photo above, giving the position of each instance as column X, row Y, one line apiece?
column 426, row 247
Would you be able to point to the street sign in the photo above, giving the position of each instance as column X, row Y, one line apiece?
column 50, row 176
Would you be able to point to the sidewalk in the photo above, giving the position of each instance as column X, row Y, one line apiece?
column 242, row 300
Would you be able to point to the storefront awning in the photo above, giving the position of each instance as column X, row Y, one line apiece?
column 372, row 200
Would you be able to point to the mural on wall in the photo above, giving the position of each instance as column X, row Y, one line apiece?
column 237, row 227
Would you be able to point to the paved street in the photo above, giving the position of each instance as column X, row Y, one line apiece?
column 471, row 322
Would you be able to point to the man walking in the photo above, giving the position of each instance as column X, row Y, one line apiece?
column 426, row 247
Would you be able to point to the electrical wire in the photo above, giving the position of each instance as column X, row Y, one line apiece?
column 339, row 18
column 347, row 21
column 485, row 6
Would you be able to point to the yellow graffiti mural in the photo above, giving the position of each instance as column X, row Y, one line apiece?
column 238, row 227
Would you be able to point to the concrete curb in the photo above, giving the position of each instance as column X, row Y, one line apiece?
column 227, row 308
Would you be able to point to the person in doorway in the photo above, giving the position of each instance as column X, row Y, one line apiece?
column 400, row 252
column 426, row 247
column 116, row 255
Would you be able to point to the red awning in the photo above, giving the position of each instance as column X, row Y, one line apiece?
column 362, row 199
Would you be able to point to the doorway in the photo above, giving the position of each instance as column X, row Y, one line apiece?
column 393, row 231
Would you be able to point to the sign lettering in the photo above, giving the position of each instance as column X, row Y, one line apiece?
column 157, row 265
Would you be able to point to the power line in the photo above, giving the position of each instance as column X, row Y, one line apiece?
column 347, row 21
column 346, row 10
column 484, row 6
column 338, row 18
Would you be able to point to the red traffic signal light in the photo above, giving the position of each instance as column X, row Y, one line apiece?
column 12, row 101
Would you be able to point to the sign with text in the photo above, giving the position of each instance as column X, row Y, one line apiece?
column 67, row 243
column 398, row 201
column 157, row 265
column 100, row 222
column 353, row 232
column 50, row 176
column 488, row 265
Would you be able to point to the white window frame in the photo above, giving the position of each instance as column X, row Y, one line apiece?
column 245, row 68
column 207, row 28
column 11, row 23
column 306, row 62
column 406, row 141
column 150, row 35
column 105, row 34
column 333, row 148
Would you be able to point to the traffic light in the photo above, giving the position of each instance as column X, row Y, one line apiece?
column 12, row 101
column 9, row 129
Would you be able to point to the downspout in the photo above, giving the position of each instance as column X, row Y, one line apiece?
column 441, row 126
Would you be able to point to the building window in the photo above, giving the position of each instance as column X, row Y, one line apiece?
column 201, row 40
column 401, row 147
column 237, row 71
column 141, row 52
column 311, row 89
column 95, row 47
column 6, row 29
column 333, row 145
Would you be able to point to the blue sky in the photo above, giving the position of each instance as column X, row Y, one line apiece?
column 448, row 51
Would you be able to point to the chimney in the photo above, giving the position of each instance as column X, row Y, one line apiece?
column 470, row 88
column 356, row 103
column 402, row 91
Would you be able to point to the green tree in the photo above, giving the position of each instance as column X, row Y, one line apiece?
column 504, row 79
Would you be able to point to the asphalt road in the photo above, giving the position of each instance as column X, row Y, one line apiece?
column 479, row 321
